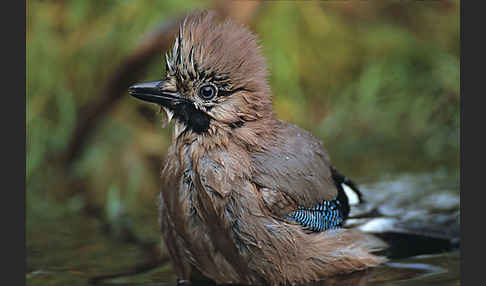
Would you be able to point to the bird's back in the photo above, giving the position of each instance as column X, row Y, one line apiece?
column 295, row 163
column 297, row 166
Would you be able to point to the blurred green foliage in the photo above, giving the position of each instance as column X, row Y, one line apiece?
column 377, row 81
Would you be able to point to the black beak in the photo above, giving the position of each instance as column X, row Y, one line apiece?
column 152, row 92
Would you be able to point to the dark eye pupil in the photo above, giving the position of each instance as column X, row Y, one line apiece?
column 207, row 92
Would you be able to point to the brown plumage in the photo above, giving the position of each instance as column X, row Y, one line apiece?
column 234, row 172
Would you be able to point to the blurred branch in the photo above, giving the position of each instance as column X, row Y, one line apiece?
column 130, row 70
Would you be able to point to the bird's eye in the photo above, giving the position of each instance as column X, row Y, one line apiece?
column 207, row 92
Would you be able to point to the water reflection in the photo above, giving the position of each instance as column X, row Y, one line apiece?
column 440, row 269
column 422, row 213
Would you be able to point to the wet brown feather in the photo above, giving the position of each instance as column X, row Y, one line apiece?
column 225, row 192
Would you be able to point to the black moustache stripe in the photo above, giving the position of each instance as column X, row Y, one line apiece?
column 194, row 119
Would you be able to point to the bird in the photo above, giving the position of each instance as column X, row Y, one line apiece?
column 245, row 198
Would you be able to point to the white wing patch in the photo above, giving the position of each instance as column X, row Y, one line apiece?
column 353, row 198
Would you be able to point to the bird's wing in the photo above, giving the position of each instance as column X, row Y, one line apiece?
column 294, row 171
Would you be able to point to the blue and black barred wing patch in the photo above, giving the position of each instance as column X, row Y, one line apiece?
column 329, row 214
column 324, row 216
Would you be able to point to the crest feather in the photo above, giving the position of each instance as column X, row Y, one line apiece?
column 206, row 48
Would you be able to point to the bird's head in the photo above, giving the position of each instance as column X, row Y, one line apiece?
column 215, row 78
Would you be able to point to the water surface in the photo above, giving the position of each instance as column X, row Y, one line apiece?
column 68, row 249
